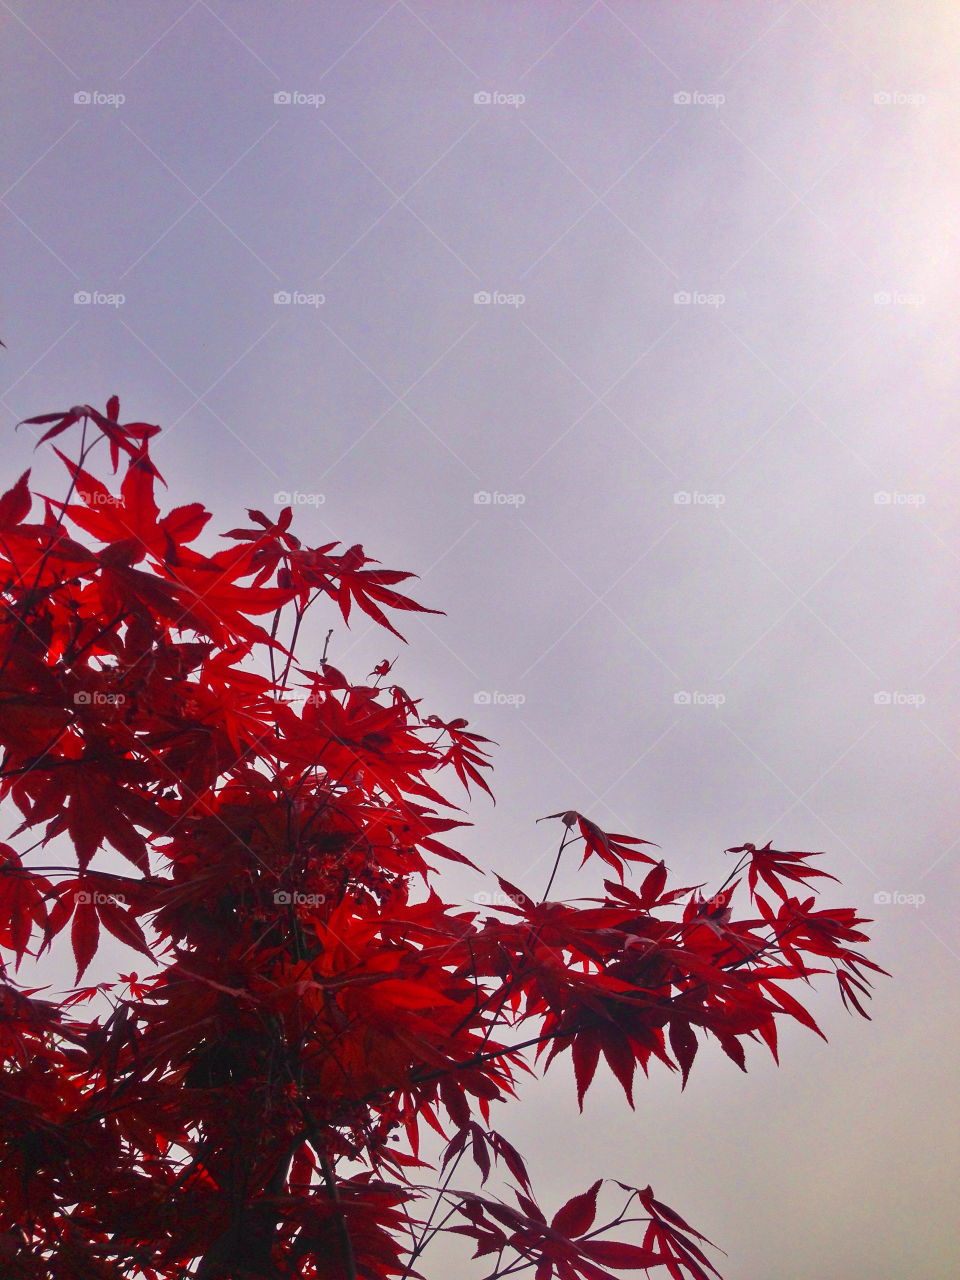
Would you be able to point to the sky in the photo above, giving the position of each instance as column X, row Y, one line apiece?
column 630, row 328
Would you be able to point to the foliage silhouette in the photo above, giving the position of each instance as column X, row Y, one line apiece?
column 252, row 1106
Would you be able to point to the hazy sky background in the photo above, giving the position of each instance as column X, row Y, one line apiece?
column 803, row 401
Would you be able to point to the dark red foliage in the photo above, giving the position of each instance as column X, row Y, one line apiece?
column 266, row 837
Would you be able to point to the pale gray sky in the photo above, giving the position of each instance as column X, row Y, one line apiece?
column 800, row 192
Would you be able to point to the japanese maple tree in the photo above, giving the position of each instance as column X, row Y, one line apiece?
column 251, row 1102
